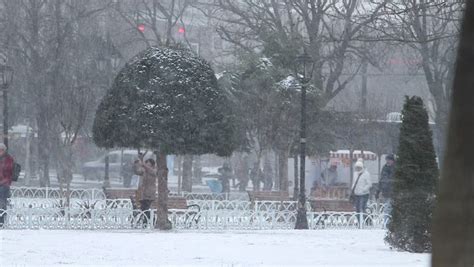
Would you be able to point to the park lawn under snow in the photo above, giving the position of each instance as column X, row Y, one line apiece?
column 232, row 248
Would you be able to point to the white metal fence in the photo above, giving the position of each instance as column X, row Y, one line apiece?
column 52, row 213
column 71, row 218
column 54, row 193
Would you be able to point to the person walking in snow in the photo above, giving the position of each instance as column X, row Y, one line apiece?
column 147, row 185
column 361, row 187
column 385, row 185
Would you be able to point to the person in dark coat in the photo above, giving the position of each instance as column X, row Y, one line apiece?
column 6, row 173
column 386, row 178
column 329, row 177
column 386, row 181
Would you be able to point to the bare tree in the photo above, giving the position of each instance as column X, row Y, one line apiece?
column 43, row 31
column 430, row 28
column 161, row 17
column 187, row 185
column 75, row 106
column 328, row 30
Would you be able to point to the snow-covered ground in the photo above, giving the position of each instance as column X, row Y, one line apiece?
column 233, row 248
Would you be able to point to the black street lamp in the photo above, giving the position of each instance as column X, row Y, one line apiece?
column 6, row 73
column 108, row 65
column 304, row 72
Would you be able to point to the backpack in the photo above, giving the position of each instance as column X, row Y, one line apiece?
column 16, row 171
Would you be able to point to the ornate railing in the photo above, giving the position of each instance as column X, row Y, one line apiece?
column 213, row 196
column 260, row 220
column 372, row 207
column 34, row 208
column 80, row 218
column 73, row 203
column 247, row 205
column 344, row 220
column 122, row 216
column 54, row 193
column 47, row 192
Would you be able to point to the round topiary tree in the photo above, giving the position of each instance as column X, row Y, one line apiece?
column 166, row 100
column 415, row 182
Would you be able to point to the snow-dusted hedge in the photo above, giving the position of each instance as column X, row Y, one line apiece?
column 168, row 99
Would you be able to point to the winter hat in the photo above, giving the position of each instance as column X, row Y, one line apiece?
column 390, row 157
column 360, row 164
column 3, row 146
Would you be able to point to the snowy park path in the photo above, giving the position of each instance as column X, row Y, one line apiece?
column 233, row 248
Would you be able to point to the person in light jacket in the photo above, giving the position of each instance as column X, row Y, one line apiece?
column 361, row 186
column 147, row 184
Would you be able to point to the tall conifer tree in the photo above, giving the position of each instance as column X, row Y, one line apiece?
column 416, row 177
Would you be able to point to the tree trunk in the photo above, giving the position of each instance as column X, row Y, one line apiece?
column 379, row 165
column 188, row 173
column 43, row 150
column 363, row 100
column 351, row 168
column 453, row 234
column 276, row 161
column 283, row 169
column 162, row 221
column 60, row 169
column 257, row 175
column 64, row 170
column 28, row 157
column 440, row 135
column 179, row 163
column 197, row 170
column 242, row 173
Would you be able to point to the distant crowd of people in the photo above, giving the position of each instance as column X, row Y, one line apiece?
column 261, row 179
column 360, row 188
column 361, row 183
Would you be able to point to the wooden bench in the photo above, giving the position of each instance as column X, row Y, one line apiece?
column 268, row 196
column 114, row 193
column 331, row 192
column 117, row 193
column 176, row 203
column 336, row 205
